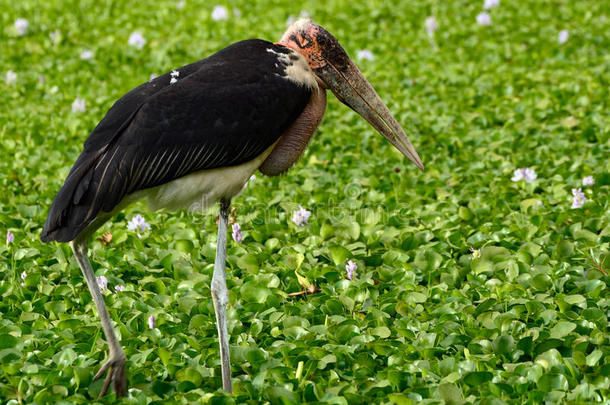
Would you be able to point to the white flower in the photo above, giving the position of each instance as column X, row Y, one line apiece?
column 237, row 235
column 301, row 216
column 138, row 224
column 102, row 283
column 563, row 36
column 23, row 275
column 55, row 36
column 86, row 55
column 579, row 198
column 136, row 39
column 476, row 253
column 220, row 13
column 351, row 268
column 489, row 4
column 78, row 105
column 365, row 54
column 431, row 25
column 151, row 322
column 21, row 25
column 11, row 77
column 118, row 288
column 588, row 181
column 526, row 174
column 181, row 4
column 484, row 18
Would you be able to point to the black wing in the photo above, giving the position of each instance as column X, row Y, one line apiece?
column 221, row 111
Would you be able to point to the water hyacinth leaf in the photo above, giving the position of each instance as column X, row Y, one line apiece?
column 576, row 299
column 254, row 293
column 338, row 254
column 66, row 357
column 400, row 399
column 564, row 249
column 381, row 331
column 477, row 377
column 551, row 381
column 164, row 355
column 248, row 263
column 594, row 357
column 8, row 341
column 184, row 246
column 25, row 253
column 561, row 329
column 541, row 282
column 162, row 388
column 450, row 393
column 504, row 345
column 427, row 260
column 423, row 310
column 7, row 356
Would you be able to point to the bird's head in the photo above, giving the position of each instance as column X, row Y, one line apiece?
column 335, row 70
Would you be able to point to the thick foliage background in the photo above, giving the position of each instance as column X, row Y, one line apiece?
column 425, row 321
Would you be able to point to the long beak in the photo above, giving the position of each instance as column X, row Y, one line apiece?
column 351, row 88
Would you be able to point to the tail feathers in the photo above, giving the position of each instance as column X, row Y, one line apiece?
column 69, row 213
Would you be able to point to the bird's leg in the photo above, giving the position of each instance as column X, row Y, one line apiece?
column 220, row 294
column 116, row 362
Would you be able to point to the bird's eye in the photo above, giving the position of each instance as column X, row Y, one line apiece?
column 303, row 42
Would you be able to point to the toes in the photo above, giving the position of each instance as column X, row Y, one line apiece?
column 106, row 383
column 102, row 370
column 115, row 369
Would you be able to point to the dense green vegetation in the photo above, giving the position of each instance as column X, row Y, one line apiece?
column 470, row 287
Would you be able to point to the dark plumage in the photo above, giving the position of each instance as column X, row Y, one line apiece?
column 222, row 111
column 195, row 136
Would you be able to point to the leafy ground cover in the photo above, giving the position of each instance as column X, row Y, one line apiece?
column 470, row 287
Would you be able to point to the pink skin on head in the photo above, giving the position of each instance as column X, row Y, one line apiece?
column 302, row 38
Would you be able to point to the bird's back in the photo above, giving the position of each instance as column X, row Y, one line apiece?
column 221, row 111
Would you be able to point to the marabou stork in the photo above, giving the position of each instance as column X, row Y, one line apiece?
column 196, row 135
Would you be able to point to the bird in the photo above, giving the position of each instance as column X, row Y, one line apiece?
column 195, row 135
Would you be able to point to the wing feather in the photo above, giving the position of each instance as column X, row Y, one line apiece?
column 224, row 110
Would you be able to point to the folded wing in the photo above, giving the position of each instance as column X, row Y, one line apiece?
column 221, row 111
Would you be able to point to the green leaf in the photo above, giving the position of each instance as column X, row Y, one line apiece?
column 8, row 341
column 338, row 254
column 475, row 378
column 564, row 249
column 450, row 393
column 427, row 260
column 252, row 292
column 400, row 399
column 594, row 357
column 551, row 382
column 562, row 329
column 381, row 331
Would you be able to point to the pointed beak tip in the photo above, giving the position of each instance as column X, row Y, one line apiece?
column 418, row 163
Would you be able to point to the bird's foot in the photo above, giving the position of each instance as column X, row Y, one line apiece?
column 115, row 366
